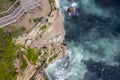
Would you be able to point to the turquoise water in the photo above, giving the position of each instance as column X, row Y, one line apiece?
column 93, row 41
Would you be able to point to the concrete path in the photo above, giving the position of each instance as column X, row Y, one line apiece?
column 19, row 11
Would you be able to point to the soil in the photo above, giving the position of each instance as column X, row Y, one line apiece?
column 27, row 19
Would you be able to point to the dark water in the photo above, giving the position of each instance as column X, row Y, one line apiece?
column 93, row 40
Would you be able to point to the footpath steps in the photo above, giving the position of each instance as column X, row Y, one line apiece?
column 17, row 13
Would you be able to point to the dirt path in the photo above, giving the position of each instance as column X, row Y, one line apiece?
column 27, row 20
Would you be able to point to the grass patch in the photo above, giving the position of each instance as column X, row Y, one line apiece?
column 36, row 20
column 52, row 1
column 23, row 29
column 31, row 55
column 39, row 52
column 54, row 8
column 20, row 57
column 45, row 53
column 24, row 63
column 53, row 57
column 43, row 27
column 50, row 59
column 16, row 32
column 7, row 54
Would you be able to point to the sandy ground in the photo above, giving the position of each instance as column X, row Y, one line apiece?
column 42, row 11
column 53, row 32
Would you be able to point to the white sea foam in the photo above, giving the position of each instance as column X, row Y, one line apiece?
column 90, row 7
column 63, row 69
column 74, row 4
column 99, row 50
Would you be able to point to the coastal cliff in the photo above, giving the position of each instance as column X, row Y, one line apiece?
column 41, row 46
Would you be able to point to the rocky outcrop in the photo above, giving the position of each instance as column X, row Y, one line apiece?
column 46, row 41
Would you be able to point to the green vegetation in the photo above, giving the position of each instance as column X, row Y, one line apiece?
column 36, row 20
column 7, row 52
column 16, row 32
column 39, row 52
column 43, row 27
column 20, row 57
column 54, row 8
column 31, row 55
column 5, row 4
column 52, row 1
column 53, row 57
column 50, row 59
column 23, row 29
column 24, row 63
column 45, row 53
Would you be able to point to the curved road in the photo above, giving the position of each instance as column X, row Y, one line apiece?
column 18, row 12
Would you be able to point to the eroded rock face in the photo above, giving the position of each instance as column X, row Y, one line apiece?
column 46, row 41
column 45, row 56
column 72, row 9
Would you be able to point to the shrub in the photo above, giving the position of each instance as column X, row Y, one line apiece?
column 24, row 63
column 7, row 54
column 36, row 20
column 42, row 27
column 31, row 55
column 16, row 32
column 23, row 29
column 52, row 1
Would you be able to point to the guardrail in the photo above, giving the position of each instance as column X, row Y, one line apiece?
column 17, row 13
column 7, row 11
column 13, row 13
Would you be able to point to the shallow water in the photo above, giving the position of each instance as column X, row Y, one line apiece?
column 93, row 40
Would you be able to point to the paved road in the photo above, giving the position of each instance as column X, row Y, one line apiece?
column 18, row 12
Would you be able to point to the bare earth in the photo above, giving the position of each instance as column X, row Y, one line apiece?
column 42, row 11
column 51, row 37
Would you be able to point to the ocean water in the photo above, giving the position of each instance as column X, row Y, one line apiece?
column 93, row 41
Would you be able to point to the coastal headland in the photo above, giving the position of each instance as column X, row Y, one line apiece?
column 37, row 37
column 45, row 38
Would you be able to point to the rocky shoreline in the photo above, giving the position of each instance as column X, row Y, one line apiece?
column 46, row 41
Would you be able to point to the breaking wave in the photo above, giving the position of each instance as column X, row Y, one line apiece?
column 93, row 41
